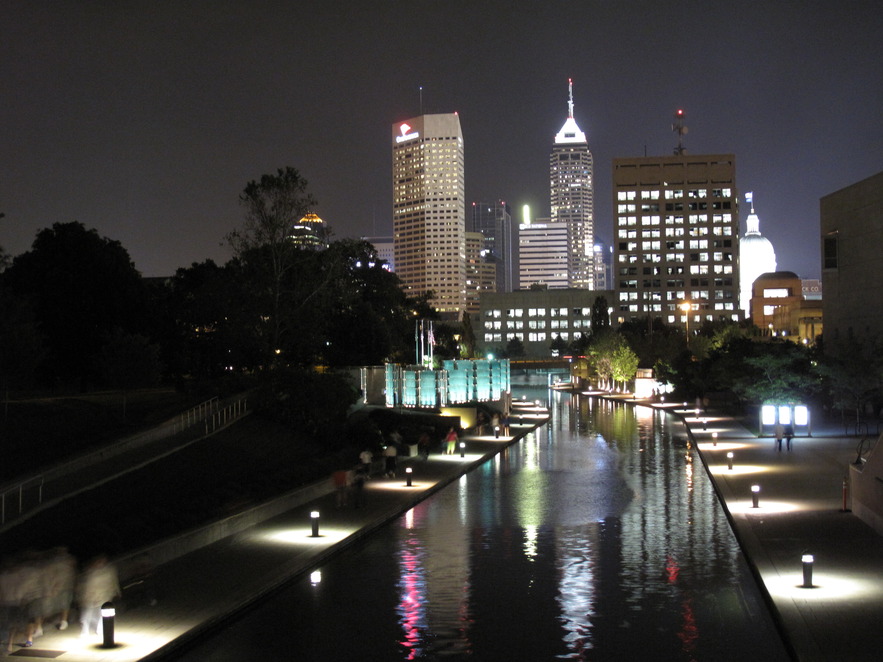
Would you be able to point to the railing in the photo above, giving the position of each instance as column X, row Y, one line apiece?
column 200, row 412
column 24, row 496
column 224, row 417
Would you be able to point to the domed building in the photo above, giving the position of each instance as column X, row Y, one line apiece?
column 756, row 257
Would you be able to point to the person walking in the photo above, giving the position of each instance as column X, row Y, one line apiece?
column 450, row 441
column 341, row 486
column 779, row 431
column 389, row 457
column 789, row 434
column 100, row 583
column 366, row 457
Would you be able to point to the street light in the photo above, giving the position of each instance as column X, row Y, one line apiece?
column 730, row 460
column 687, row 307
column 807, row 560
column 408, row 475
column 755, row 496
column 314, row 518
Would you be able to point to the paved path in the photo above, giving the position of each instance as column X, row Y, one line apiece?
column 198, row 590
column 800, row 510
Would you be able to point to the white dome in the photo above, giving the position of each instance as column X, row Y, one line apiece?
column 756, row 257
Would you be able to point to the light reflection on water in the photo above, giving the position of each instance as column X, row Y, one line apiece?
column 595, row 538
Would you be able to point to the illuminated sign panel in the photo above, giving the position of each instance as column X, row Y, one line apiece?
column 406, row 134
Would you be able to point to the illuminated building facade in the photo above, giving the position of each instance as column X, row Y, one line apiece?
column 572, row 197
column 429, row 211
column 542, row 254
column 756, row 257
column 677, row 238
column 310, row 232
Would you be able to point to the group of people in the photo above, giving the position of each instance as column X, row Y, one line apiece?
column 783, row 431
column 39, row 587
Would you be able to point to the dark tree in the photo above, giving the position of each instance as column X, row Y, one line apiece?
column 81, row 286
column 272, row 205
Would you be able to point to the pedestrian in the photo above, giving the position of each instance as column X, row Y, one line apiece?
column 366, row 457
column 339, row 481
column 13, row 614
column 450, row 441
column 789, row 434
column 505, row 422
column 99, row 584
column 359, row 478
column 779, row 432
column 61, row 576
column 423, row 445
column 389, row 458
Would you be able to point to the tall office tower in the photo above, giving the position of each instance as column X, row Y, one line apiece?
column 542, row 253
column 481, row 274
column 494, row 221
column 676, row 254
column 571, row 179
column 429, row 210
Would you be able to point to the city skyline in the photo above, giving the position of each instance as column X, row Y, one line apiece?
column 146, row 122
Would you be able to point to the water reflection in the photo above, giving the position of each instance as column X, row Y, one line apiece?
column 595, row 538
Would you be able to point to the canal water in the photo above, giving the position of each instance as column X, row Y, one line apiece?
column 598, row 537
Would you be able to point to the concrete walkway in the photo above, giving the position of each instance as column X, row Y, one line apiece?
column 196, row 591
column 800, row 510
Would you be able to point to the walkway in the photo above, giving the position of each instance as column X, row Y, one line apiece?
column 200, row 589
column 800, row 511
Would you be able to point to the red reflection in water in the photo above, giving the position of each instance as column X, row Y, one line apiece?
column 411, row 606
column 671, row 570
column 689, row 632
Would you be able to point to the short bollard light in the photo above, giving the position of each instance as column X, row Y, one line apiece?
column 496, row 431
column 408, row 472
column 755, row 496
column 730, row 460
column 714, row 438
column 462, row 449
column 807, row 570
column 704, row 423
column 108, row 614
column 314, row 519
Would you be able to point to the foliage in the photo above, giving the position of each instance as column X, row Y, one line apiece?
column 558, row 346
column 514, row 348
column 854, row 377
column 624, row 363
column 129, row 361
column 781, row 372
column 313, row 405
column 467, row 338
column 272, row 205
column 22, row 348
column 80, row 287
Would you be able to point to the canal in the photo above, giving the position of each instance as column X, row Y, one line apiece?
column 597, row 537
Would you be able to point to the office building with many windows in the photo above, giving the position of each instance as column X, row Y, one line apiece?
column 429, row 210
column 542, row 254
column 676, row 247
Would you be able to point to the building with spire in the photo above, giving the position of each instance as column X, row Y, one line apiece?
column 571, row 181
column 756, row 257
column 429, row 210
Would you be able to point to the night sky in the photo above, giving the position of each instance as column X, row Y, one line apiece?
column 145, row 120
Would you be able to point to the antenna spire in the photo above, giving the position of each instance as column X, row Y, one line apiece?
column 570, row 100
column 679, row 128
column 420, row 91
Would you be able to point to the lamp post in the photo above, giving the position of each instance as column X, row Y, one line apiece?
column 408, row 475
column 730, row 460
column 108, row 615
column 755, row 496
column 462, row 449
column 687, row 307
column 314, row 518
column 714, row 438
column 807, row 560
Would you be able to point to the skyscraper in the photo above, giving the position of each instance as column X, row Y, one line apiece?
column 572, row 189
column 429, row 210
column 494, row 221
column 677, row 238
